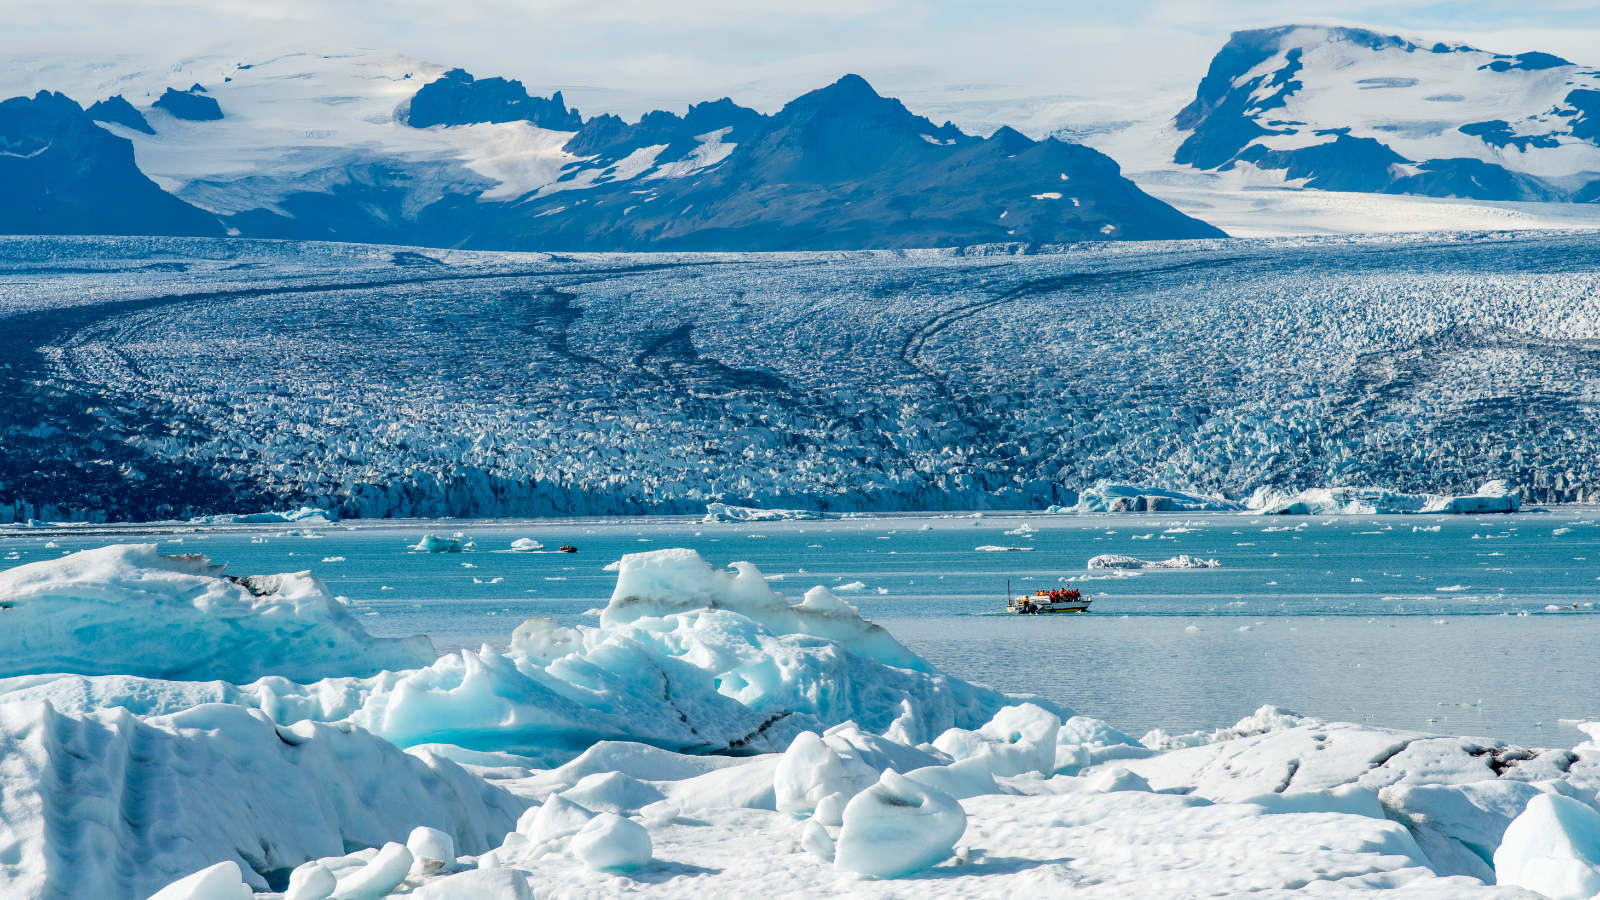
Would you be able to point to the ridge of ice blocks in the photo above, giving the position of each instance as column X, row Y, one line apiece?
column 898, row 826
column 1491, row 497
column 1181, row 561
column 217, row 783
column 722, row 512
column 1111, row 497
column 126, row 609
column 1553, row 847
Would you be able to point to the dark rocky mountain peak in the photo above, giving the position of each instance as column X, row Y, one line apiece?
column 60, row 173
column 120, row 111
column 456, row 98
column 190, row 105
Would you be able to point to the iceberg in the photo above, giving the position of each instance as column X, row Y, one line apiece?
column 722, row 512
column 308, row 515
column 432, row 543
column 1491, row 497
column 1112, row 497
column 1181, row 561
column 128, row 610
column 526, row 545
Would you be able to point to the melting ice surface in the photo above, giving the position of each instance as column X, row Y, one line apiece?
column 1347, row 617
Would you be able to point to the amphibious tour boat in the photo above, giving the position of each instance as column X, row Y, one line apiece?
column 1060, row 600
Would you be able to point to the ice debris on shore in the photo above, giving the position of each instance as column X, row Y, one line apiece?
column 128, row 610
column 1181, row 561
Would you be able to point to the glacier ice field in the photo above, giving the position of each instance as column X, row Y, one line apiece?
column 163, row 378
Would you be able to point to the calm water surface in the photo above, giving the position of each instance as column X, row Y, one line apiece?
column 1440, row 624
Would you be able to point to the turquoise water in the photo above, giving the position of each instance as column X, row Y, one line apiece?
column 1364, row 619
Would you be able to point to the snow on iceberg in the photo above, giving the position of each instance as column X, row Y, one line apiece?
column 126, row 609
column 1181, row 561
column 722, row 512
column 107, row 804
column 1111, row 497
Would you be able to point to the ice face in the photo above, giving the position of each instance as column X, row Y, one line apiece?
column 177, row 617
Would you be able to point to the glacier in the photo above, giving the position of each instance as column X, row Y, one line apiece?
column 598, row 760
column 196, row 378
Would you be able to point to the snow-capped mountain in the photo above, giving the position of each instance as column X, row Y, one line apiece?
column 378, row 147
column 1345, row 109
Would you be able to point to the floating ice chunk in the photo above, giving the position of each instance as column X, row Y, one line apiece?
column 1111, row 497
column 814, row 839
column 1350, row 799
column 1117, row 779
column 311, row 881
column 178, row 617
column 526, row 545
column 432, row 543
column 477, row 884
column 222, row 881
column 961, row 779
column 853, row 586
column 721, row 512
column 613, row 792
column 898, row 826
column 1553, row 847
column 610, row 843
column 378, row 877
column 431, row 843
column 811, row 770
column 1182, row 561
column 309, row 515
column 995, row 548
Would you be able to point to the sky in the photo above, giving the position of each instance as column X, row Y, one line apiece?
column 629, row 56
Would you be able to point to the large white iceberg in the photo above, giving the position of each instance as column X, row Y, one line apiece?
column 1181, row 561
column 1112, row 497
column 722, row 512
column 1491, row 497
column 309, row 515
column 128, row 610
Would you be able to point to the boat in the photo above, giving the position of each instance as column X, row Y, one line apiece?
column 566, row 548
column 1059, row 600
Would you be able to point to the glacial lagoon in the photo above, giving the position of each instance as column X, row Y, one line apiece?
column 1471, row 625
